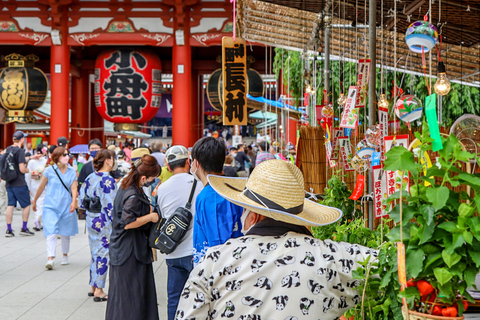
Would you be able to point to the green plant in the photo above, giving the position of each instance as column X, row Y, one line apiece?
column 336, row 195
column 440, row 232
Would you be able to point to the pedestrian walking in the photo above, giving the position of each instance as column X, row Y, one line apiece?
column 216, row 219
column 17, row 190
column 132, row 293
column 98, row 193
column 33, row 179
column 3, row 190
column 277, row 270
column 263, row 154
column 60, row 184
column 173, row 194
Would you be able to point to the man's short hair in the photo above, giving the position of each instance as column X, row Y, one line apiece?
column 95, row 141
column 228, row 159
column 264, row 145
column 156, row 145
column 210, row 154
column 177, row 164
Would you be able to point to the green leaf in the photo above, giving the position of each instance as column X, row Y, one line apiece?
column 475, row 257
column 410, row 292
column 399, row 158
column 469, row 276
column 438, row 196
column 468, row 237
column 450, row 258
column 448, row 226
column 428, row 212
column 442, row 275
column 426, row 232
column 414, row 262
column 469, row 179
column 431, row 258
column 457, row 240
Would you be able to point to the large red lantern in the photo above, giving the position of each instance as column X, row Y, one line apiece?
column 128, row 89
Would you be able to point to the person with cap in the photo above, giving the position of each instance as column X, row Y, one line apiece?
column 173, row 194
column 17, row 189
column 33, row 178
column 278, row 270
column 216, row 219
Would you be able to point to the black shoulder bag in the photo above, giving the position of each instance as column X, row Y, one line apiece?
column 167, row 235
column 69, row 191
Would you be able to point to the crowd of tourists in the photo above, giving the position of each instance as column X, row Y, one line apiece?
column 248, row 251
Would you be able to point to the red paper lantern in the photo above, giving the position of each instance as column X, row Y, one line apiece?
column 128, row 88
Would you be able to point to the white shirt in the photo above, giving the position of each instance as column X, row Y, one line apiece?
column 35, row 167
column 172, row 194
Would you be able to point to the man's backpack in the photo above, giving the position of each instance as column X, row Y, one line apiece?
column 7, row 166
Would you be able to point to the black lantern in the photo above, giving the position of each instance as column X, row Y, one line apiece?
column 23, row 88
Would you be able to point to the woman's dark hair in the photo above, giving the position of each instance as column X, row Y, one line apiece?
column 210, row 154
column 264, row 145
column 57, row 153
column 146, row 166
column 121, row 154
column 101, row 157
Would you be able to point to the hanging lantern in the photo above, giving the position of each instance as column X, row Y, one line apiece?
column 128, row 88
column 364, row 150
column 408, row 108
column 23, row 88
column 341, row 100
column 255, row 87
column 421, row 36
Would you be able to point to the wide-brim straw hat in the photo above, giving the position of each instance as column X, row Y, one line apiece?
column 275, row 189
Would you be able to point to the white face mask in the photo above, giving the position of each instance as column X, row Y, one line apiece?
column 115, row 165
column 243, row 218
column 194, row 174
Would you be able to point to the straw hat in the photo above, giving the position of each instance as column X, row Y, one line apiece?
column 276, row 190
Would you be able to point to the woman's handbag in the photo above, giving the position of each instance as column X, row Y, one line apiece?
column 92, row 204
column 166, row 235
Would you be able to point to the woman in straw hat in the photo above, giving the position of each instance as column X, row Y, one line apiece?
column 277, row 270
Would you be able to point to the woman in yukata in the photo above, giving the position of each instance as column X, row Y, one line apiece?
column 96, row 197
column 59, row 217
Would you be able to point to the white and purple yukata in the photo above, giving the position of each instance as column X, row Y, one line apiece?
column 99, row 225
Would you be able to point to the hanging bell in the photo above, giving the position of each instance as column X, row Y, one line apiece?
column 341, row 100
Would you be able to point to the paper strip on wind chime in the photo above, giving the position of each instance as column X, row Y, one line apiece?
column 394, row 178
column 383, row 121
column 379, row 191
column 345, row 152
column 362, row 82
column 328, row 148
column 350, row 113
column 358, row 191
column 337, row 133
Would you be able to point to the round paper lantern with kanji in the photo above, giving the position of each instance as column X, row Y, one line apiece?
column 23, row 88
column 128, row 89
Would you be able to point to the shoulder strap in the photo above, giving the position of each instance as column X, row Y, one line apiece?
column 192, row 192
column 62, row 180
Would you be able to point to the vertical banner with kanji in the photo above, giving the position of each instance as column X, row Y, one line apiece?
column 362, row 82
column 345, row 152
column 394, row 178
column 328, row 148
column 379, row 191
column 350, row 113
column 234, row 72
column 336, row 133
column 383, row 121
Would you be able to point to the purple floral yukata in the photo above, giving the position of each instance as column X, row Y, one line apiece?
column 99, row 225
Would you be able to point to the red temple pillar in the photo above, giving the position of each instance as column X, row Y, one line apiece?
column 194, row 108
column 96, row 120
column 80, row 112
column 182, row 88
column 60, row 83
column 7, row 130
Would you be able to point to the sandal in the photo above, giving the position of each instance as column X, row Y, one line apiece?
column 100, row 299
column 90, row 294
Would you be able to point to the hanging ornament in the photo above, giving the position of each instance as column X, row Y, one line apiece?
column 421, row 36
column 341, row 100
column 442, row 86
column 359, row 164
column 383, row 102
column 327, row 114
column 364, row 151
column 373, row 136
column 408, row 108
column 327, row 111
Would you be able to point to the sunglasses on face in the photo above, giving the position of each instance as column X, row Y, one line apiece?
column 66, row 154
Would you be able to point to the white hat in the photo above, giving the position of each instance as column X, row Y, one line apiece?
column 176, row 153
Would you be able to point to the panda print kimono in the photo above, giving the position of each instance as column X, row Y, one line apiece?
column 287, row 277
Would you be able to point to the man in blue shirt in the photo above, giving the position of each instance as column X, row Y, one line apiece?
column 216, row 219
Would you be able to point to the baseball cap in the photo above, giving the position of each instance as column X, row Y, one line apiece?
column 62, row 142
column 176, row 153
column 19, row 135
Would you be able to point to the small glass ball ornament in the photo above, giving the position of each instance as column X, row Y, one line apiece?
column 364, row 151
column 421, row 34
column 408, row 108
column 327, row 111
column 341, row 100
column 373, row 136
column 383, row 102
column 358, row 164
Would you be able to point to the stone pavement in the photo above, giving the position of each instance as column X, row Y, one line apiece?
column 29, row 291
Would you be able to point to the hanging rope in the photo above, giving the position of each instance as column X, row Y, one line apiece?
column 395, row 61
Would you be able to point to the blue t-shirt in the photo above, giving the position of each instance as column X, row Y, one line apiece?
column 216, row 220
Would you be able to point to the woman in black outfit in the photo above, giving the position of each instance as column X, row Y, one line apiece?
column 132, row 293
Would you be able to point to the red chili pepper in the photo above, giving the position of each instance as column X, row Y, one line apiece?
column 465, row 305
column 411, row 283
column 437, row 311
column 449, row 312
column 424, row 288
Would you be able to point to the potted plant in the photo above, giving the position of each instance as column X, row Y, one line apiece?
column 441, row 229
